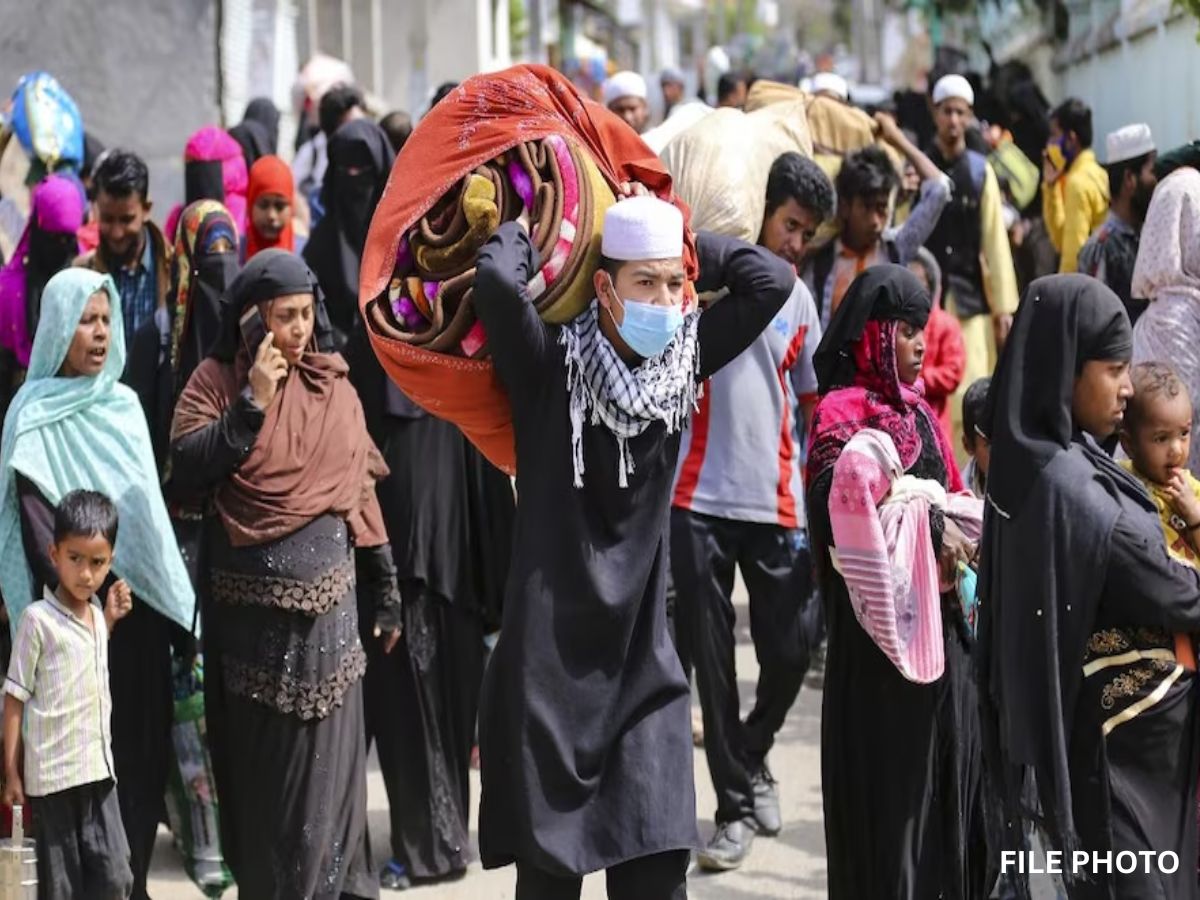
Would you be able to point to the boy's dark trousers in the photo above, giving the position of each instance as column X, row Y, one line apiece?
column 82, row 853
column 785, row 625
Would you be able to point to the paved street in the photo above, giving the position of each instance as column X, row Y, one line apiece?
column 790, row 866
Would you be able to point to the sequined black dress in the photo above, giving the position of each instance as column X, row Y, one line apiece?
column 283, row 690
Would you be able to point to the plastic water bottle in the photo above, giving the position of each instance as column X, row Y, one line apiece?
column 18, row 862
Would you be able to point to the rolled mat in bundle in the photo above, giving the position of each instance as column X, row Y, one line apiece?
column 430, row 297
column 521, row 141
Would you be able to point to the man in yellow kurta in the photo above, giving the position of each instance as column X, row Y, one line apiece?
column 970, row 241
column 1074, row 200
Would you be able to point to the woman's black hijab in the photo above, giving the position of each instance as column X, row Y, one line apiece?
column 881, row 293
column 1054, row 498
column 258, row 132
column 203, row 179
column 1065, row 321
column 268, row 275
column 360, row 160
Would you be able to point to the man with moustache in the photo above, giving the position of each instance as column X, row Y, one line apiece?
column 132, row 248
column 136, row 254
column 1111, row 251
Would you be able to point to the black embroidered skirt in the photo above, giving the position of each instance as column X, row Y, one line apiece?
column 285, row 715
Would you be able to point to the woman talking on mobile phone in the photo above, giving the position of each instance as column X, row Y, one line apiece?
column 270, row 429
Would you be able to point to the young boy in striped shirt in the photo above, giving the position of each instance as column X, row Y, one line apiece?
column 57, row 709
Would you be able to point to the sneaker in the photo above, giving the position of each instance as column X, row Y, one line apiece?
column 766, row 802
column 728, row 848
column 394, row 877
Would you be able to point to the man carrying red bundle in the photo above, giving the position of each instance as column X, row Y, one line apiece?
column 585, row 727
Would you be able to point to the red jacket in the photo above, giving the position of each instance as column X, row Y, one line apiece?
column 945, row 362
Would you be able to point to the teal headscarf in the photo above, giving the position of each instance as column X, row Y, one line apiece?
column 87, row 432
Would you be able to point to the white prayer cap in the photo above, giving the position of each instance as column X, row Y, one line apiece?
column 1129, row 143
column 830, row 83
column 672, row 75
column 642, row 228
column 950, row 86
column 624, row 84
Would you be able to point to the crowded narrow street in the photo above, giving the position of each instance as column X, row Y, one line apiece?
column 788, row 867
column 583, row 449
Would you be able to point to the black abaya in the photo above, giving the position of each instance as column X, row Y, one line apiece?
column 1078, row 685
column 449, row 518
column 360, row 160
column 900, row 761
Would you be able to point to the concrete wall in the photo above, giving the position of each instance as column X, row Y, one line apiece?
column 144, row 72
column 428, row 42
column 1152, row 77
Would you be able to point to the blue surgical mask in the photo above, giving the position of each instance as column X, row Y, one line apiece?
column 646, row 328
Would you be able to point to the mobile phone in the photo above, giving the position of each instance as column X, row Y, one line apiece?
column 253, row 329
column 1055, row 155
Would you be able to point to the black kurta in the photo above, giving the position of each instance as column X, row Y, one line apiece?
column 900, row 762
column 585, row 731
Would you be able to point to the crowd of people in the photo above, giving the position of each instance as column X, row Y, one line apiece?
column 901, row 423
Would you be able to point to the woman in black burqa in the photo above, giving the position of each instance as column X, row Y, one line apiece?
column 360, row 160
column 449, row 516
column 900, row 761
column 1083, row 695
column 258, row 132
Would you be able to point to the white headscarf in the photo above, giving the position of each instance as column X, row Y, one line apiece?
column 1168, row 261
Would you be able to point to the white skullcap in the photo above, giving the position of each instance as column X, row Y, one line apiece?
column 1129, row 143
column 950, row 86
column 830, row 83
column 672, row 75
column 642, row 228
column 624, row 84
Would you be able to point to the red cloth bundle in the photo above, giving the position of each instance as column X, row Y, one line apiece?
column 475, row 125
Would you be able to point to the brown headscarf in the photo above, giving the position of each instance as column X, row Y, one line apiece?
column 313, row 455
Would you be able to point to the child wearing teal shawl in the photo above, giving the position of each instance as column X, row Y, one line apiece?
column 89, row 431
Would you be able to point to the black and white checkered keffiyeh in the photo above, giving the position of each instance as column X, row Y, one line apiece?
column 627, row 401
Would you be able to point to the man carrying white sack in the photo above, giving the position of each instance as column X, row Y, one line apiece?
column 739, row 504
column 585, row 730
column 625, row 94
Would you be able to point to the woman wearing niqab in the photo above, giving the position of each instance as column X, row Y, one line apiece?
column 258, row 132
column 360, row 160
column 203, row 265
column 1088, row 711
